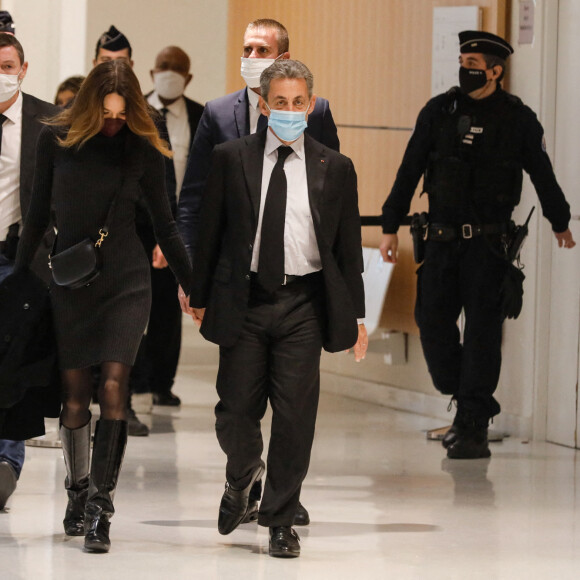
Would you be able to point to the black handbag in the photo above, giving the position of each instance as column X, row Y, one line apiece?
column 76, row 266
column 80, row 264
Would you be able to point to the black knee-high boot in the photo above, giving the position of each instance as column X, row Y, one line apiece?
column 76, row 448
column 108, row 450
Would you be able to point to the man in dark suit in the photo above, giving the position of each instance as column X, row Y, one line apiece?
column 21, row 117
column 277, row 277
column 170, row 77
column 162, row 347
column 237, row 114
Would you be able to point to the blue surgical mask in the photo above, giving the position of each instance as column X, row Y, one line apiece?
column 288, row 125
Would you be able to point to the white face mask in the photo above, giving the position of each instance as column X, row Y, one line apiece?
column 9, row 85
column 252, row 68
column 169, row 84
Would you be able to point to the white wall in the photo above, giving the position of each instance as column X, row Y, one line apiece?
column 59, row 38
column 522, row 383
column 52, row 34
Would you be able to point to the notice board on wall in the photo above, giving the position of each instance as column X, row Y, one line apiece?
column 448, row 21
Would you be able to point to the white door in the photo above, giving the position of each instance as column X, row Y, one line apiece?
column 563, row 424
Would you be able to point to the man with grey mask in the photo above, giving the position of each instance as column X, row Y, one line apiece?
column 237, row 115
column 20, row 124
column 170, row 76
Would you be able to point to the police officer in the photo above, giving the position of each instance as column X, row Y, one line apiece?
column 471, row 145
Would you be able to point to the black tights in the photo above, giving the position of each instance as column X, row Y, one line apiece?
column 78, row 389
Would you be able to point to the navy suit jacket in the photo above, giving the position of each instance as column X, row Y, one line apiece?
column 229, row 219
column 225, row 119
column 194, row 113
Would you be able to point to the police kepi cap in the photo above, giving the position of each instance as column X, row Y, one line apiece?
column 484, row 43
column 113, row 40
column 6, row 24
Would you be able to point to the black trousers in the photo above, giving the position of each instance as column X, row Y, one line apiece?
column 156, row 364
column 164, row 331
column 276, row 359
column 462, row 274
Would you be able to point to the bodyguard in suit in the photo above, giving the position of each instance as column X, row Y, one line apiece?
column 163, row 344
column 277, row 278
column 20, row 117
column 170, row 77
column 238, row 114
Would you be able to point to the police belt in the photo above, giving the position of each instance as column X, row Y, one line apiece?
column 447, row 233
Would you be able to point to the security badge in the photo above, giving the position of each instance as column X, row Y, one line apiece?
column 468, row 137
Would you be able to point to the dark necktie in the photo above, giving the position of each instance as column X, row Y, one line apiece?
column 164, row 112
column 271, row 258
column 2, row 119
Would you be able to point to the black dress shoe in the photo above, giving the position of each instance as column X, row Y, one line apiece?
column 450, row 437
column 234, row 505
column 253, row 502
column 135, row 427
column 284, row 542
column 251, row 512
column 166, row 399
column 470, row 444
column 8, row 481
column 301, row 517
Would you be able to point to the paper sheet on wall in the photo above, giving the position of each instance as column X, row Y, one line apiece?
column 526, row 35
column 447, row 23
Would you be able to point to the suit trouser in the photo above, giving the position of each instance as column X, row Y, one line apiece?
column 276, row 358
column 456, row 275
column 156, row 363
column 11, row 451
column 163, row 343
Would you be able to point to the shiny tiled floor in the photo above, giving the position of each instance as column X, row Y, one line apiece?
column 384, row 503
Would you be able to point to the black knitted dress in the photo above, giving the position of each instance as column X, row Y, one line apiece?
column 105, row 320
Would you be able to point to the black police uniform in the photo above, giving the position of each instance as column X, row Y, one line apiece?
column 471, row 153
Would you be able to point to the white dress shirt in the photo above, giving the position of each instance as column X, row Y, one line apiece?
column 254, row 110
column 179, row 134
column 10, row 168
column 301, row 255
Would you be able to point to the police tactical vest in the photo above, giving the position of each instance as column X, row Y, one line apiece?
column 476, row 154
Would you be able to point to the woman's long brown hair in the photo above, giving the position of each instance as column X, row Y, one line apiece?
column 84, row 118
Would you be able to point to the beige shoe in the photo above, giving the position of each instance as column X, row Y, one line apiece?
column 8, row 481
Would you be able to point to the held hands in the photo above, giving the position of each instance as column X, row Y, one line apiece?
column 183, row 301
column 389, row 247
column 195, row 313
column 360, row 348
column 158, row 259
column 565, row 239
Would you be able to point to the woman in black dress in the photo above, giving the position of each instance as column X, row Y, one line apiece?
column 104, row 147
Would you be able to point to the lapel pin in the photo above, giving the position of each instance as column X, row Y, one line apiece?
column 322, row 161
